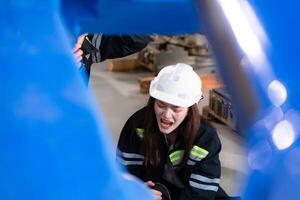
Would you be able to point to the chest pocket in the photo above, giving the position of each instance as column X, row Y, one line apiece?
column 176, row 157
column 197, row 154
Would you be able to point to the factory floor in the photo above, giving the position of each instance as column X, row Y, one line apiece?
column 118, row 96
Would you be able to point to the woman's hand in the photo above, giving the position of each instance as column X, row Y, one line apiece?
column 78, row 53
column 157, row 194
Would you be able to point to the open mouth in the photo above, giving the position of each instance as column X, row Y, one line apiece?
column 165, row 124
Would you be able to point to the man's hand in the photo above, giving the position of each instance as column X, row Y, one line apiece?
column 78, row 53
column 157, row 194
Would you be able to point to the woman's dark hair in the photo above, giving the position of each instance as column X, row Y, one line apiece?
column 187, row 130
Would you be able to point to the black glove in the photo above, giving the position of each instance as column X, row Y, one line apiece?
column 163, row 189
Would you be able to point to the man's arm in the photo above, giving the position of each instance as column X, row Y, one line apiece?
column 94, row 48
column 120, row 46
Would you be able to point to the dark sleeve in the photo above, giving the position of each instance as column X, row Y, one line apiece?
column 112, row 46
column 204, row 177
column 128, row 150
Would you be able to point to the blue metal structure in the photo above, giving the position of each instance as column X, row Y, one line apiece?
column 54, row 145
column 261, row 72
column 133, row 16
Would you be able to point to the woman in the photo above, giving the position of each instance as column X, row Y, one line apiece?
column 167, row 144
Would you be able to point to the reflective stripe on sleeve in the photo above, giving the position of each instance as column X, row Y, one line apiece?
column 132, row 155
column 130, row 158
column 198, row 153
column 205, row 179
column 203, row 186
column 96, row 41
column 125, row 162
column 176, row 157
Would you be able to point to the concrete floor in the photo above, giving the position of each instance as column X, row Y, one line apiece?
column 118, row 96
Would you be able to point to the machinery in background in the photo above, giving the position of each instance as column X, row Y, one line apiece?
column 192, row 49
column 221, row 108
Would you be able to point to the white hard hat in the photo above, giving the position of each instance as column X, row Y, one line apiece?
column 177, row 84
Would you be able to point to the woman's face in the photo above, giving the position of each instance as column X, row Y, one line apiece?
column 168, row 116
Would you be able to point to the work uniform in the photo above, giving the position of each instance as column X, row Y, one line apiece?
column 98, row 47
column 198, row 179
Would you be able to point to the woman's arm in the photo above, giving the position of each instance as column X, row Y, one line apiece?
column 203, row 177
column 128, row 150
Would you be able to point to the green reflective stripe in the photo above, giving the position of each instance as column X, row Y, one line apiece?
column 176, row 163
column 200, row 149
column 197, row 154
column 140, row 132
column 176, row 156
column 175, row 153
